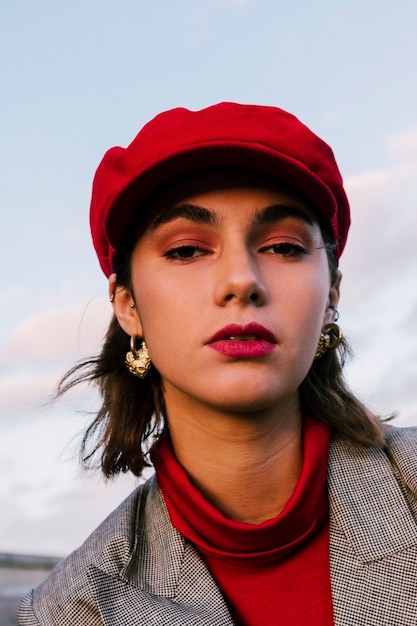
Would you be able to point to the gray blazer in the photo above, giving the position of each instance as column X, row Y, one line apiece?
column 136, row 569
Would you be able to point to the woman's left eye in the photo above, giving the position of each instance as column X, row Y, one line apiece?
column 285, row 249
column 184, row 253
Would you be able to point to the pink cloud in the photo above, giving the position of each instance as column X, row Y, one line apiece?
column 56, row 336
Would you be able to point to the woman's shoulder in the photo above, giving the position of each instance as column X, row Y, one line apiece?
column 401, row 448
column 400, row 443
column 108, row 549
column 397, row 457
column 402, row 437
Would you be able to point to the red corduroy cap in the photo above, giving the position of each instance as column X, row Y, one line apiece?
column 179, row 141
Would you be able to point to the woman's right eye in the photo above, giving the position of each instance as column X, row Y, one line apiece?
column 184, row 253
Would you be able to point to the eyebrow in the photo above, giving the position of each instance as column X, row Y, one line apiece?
column 278, row 212
column 192, row 212
column 200, row 215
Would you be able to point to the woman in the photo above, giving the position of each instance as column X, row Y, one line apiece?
column 278, row 497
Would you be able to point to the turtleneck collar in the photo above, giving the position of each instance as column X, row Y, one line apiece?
column 273, row 540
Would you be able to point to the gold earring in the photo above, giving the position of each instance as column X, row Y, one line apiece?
column 138, row 362
column 330, row 337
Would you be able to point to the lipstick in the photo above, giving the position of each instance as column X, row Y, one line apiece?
column 243, row 341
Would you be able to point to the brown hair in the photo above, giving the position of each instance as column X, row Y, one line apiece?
column 132, row 414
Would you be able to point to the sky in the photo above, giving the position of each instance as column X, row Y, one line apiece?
column 78, row 77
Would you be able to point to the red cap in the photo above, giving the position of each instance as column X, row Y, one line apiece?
column 179, row 141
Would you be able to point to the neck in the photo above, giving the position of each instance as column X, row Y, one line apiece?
column 223, row 453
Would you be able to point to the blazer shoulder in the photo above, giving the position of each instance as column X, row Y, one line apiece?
column 401, row 448
column 404, row 437
column 109, row 549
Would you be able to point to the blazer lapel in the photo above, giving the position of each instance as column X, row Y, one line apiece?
column 373, row 540
column 165, row 581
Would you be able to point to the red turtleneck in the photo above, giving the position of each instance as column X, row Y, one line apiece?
column 272, row 573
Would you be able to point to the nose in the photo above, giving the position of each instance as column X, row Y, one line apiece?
column 238, row 280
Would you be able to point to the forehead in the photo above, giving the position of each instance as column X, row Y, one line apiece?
column 217, row 184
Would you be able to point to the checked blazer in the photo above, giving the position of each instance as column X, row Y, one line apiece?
column 137, row 570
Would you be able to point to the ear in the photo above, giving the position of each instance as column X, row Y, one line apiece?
column 122, row 301
column 333, row 299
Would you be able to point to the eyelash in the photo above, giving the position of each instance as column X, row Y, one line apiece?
column 180, row 253
column 285, row 249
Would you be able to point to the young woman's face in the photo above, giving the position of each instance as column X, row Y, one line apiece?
column 232, row 286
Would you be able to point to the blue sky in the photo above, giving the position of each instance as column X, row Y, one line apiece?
column 79, row 77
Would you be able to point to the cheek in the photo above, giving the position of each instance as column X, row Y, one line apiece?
column 152, row 310
column 311, row 300
column 308, row 290
column 161, row 321
column 316, row 299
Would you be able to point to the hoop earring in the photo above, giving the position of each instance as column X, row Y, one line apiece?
column 138, row 362
column 330, row 337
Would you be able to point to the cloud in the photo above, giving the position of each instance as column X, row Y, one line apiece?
column 63, row 515
column 41, row 349
column 46, row 507
column 23, row 396
column 384, row 221
column 378, row 297
column 62, row 522
column 57, row 335
column 402, row 144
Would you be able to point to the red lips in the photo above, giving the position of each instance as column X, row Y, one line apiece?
column 243, row 341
